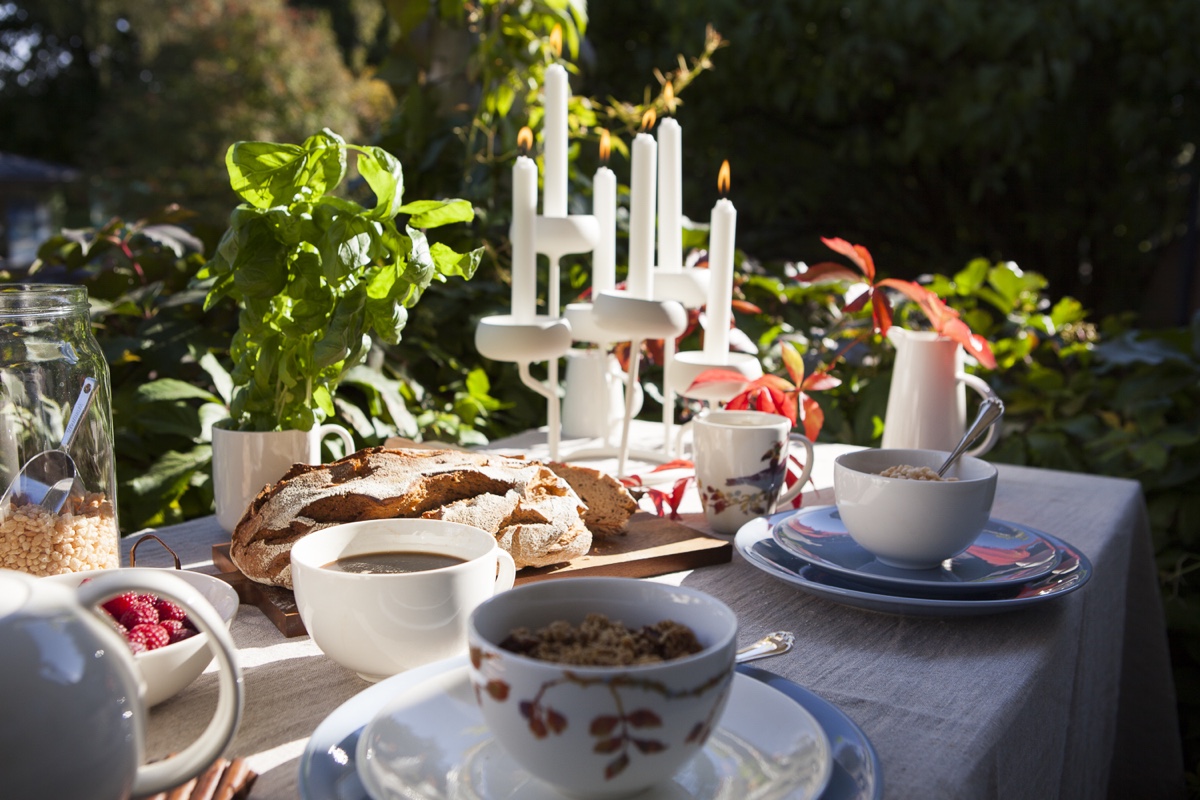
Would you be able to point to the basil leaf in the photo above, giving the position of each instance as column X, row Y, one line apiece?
column 350, row 243
column 450, row 263
column 435, row 213
column 260, row 265
column 344, row 331
column 325, row 165
column 266, row 174
column 384, row 175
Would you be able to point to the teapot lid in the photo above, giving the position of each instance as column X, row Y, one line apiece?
column 15, row 588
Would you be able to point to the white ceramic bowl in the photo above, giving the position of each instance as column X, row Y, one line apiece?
column 601, row 732
column 167, row 670
column 382, row 624
column 910, row 523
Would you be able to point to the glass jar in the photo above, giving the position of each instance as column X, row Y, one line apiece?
column 47, row 351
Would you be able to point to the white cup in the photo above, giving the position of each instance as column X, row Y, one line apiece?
column 243, row 462
column 741, row 461
column 382, row 624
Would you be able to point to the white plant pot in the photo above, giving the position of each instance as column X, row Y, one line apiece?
column 243, row 462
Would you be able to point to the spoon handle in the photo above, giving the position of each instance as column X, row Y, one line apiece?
column 773, row 644
column 989, row 411
column 82, row 403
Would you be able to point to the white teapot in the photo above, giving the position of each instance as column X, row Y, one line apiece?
column 71, row 714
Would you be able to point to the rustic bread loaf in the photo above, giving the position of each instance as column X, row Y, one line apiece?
column 535, row 514
column 609, row 504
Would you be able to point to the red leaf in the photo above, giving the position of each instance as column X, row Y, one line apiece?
column 696, row 732
column 787, row 407
column 644, row 718
column 745, row 307
column 679, row 463
column 819, row 381
column 857, row 303
column 881, row 312
column 828, row 271
column 649, row 745
column 616, row 767
column 814, row 418
column 556, row 721
column 717, row 375
column 498, row 690
column 607, row 745
column 603, row 725
column 850, row 251
column 739, row 402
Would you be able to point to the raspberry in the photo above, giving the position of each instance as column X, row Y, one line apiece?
column 181, row 634
column 139, row 615
column 120, row 604
column 137, row 647
column 147, row 599
column 152, row 636
column 171, row 626
column 168, row 610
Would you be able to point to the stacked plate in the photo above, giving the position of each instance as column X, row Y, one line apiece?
column 420, row 735
column 1008, row 566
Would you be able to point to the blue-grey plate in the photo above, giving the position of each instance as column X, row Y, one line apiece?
column 756, row 543
column 1003, row 556
column 328, row 770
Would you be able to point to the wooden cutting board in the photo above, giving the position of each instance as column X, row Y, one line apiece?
column 652, row 546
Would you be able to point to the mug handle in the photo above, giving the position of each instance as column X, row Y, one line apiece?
column 984, row 391
column 336, row 430
column 506, row 571
column 790, row 492
column 196, row 757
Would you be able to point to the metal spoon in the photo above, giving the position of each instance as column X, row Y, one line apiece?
column 990, row 410
column 773, row 644
column 50, row 477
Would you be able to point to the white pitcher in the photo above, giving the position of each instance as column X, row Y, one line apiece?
column 594, row 396
column 927, row 404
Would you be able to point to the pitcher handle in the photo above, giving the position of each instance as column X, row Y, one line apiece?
column 789, row 493
column 195, row 758
column 336, row 430
column 984, row 391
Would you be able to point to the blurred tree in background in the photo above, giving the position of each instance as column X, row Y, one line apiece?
column 1057, row 135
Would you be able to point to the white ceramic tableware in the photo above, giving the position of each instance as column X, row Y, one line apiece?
column 927, row 402
column 594, row 395
column 741, row 461
column 601, row 732
column 71, row 691
column 168, row 670
column 912, row 524
column 382, row 624
column 243, row 462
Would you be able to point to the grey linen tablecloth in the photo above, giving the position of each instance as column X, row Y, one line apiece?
column 1072, row 698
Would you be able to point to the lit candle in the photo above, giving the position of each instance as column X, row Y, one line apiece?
column 604, row 207
column 722, row 231
column 524, row 256
column 641, row 216
column 555, row 138
column 670, row 195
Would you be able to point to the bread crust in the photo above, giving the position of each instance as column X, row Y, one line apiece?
column 533, row 512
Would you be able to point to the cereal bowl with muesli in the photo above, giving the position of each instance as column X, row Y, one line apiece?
column 602, row 687
column 894, row 505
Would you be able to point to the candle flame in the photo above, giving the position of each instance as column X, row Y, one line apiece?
column 605, row 144
column 723, row 177
column 525, row 139
column 556, row 40
column 648, row 119
column 668, row 95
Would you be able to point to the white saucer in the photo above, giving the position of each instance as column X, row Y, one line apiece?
column 430, row 743
column 328, row 767
column 1003, row 556
column 757, row 545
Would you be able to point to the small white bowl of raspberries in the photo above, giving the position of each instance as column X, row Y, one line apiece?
column 168, row 650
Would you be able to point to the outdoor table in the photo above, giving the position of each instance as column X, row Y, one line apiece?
column 1069, row 698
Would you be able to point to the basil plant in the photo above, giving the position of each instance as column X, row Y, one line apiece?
column 316, row 276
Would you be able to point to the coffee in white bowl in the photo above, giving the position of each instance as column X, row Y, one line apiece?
column 383, row 596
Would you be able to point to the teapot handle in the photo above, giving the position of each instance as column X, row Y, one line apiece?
column 196, row 757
